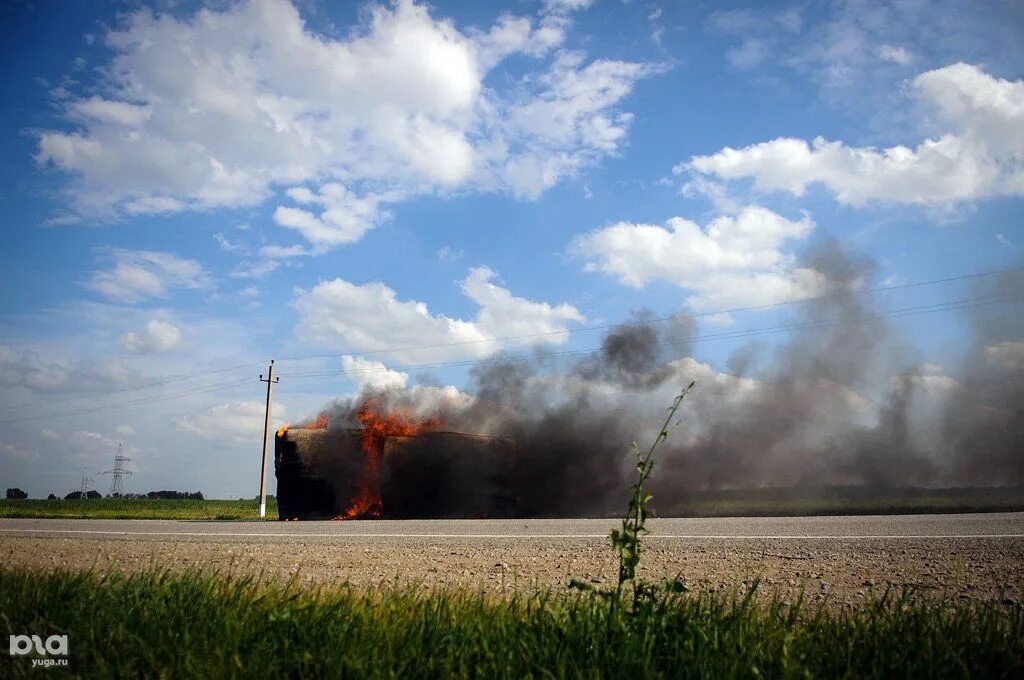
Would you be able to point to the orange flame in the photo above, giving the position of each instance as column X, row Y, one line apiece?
column 377, row 427
column 320, row 423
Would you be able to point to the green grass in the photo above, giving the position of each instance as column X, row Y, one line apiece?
column 208, row 625
column 743, row 502
column 136, row 508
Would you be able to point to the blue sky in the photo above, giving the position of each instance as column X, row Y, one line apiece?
column 191, row 188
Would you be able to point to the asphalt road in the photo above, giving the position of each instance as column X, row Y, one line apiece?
column 833, row 559
column 992, row 526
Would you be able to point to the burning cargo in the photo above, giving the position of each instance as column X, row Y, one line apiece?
column 369, row 472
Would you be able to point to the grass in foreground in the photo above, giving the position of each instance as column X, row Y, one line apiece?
column 136, row 508
column 209, row 625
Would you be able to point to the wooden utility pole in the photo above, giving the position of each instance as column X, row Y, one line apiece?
column 270, row 380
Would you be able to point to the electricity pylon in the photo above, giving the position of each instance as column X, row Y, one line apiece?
column 119, row 473
column 83, row 490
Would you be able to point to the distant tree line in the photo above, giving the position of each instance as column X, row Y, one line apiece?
column 79, row 495
column 176, row 495
column 17, row 494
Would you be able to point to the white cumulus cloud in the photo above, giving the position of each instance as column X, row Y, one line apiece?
column 225, row 106
column 137, row 275
column 236, row 422
column 27, row 368
column 735, row 260
column 981, row 156
column 369, row 373
column 372, row 317
column 897, row 55
column 156, row 336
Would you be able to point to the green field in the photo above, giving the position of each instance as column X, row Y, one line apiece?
column 745, row 502
column 209, row 625
column 137, row 508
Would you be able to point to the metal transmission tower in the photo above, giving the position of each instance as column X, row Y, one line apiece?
column 83, row 491
column 119, row 473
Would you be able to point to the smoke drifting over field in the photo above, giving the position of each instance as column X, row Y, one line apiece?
column 843, row 401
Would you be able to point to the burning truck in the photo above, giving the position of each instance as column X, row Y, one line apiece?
column 392, row 466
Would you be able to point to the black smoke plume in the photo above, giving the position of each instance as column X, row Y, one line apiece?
column 845, row 400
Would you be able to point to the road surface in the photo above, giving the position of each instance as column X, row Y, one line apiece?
column 839, row 558
column 994, row 525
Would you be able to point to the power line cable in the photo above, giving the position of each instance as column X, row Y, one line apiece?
column 216, row 387
column 130, row 388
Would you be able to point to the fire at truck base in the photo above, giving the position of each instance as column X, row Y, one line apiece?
column 358, row 474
